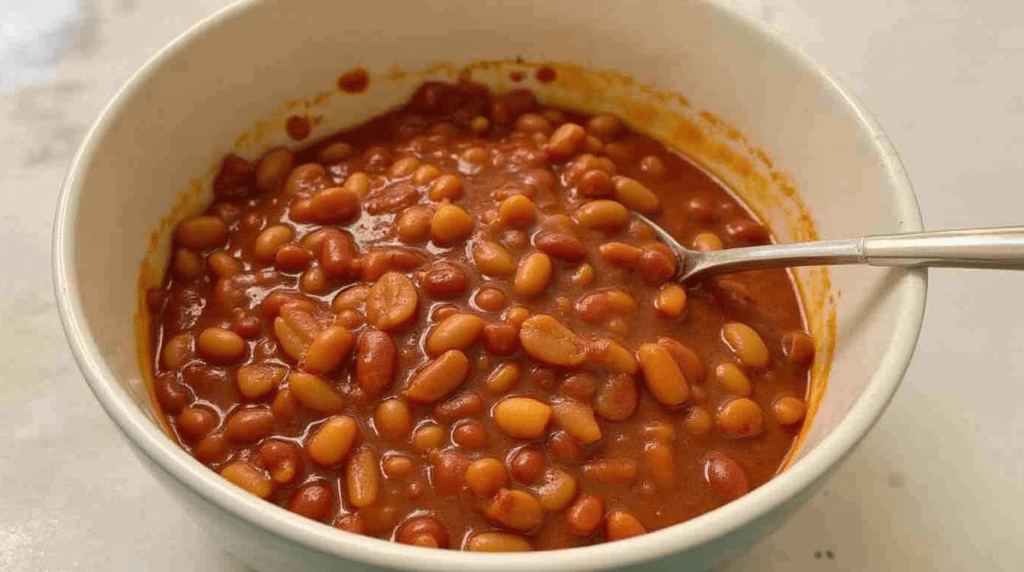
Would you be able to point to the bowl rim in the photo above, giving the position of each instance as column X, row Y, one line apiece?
column 148, row 439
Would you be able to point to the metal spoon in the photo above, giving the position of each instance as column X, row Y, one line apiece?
column 992, row 248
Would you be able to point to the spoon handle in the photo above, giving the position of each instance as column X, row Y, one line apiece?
column 993, row 248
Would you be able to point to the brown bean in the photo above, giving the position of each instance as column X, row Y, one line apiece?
column 501, row 339
column 280, row 459
column 186, row 264
column 393, row 418
column 450, row 224
column 492, row 259
column 403, row 167
column 635, row 195
column 422, row 531
column 657, row 264
column 579, row 386
column 461, row 406
column 671, row 300
column 392, row 199
column 517, row 210
column 362, row 477
column 563, row 447
column 732, row 379
column 746, row 343
column 533, row 122
column 659, row 463
column 516, row 509
column 354, row 522
column 248, row 477
column 335, row 153
column 275, row 301
column 314, row 393
column 697, row 421
column 603, row 215
column 335, row 205
column 516, row 315
column 577, row 420
column 427, row 437
column 619, row 525
column 177, row 351
column 312, row 501
column 448, row 472
column 470, row 434
column 446, row 187
column 293, row 334
column 707, row 241
column 526, row 465
column 195, row 421
column 425, row 174
column 391, row 302
column 740, row 417
column 617, row 398
column 337, row 254
column 606, row 126
column 306, row 179
column 413, row 224
column 250, row 424
column 595, row 184
column 273, row 168
column 789, row 410
column 351, row 298
column 662, row 375
column 688, row 361
column 533, row 275
column 220, row 345
column 497, row 542
column 612, row 356
column 798, row 348
column 377, row 263
column 746, row 230
column 725, row 476
column 522, row 417
column 444, row 279
column 398, row 467
column 201, row 232
column 438, row 378
column 268, row 241
column 546, row 339
column 561, row 245
column 610, row 471
column 170, row 393
column 328, row 349
column 376, row 358
column 621, row 254
column 558, row 490
column 490, row 299
column 284, row 405
column 211, row 449
column 288, row 258
column 653, row 167
column 503, row 378
column 565, row 141
column 223, row 265
column 585, row 515
column 658, row 431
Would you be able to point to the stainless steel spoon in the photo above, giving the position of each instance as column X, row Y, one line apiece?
column 992, row 248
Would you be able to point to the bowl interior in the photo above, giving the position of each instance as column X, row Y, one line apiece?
column 699, row 77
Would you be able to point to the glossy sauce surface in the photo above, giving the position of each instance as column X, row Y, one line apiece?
column 443, row 327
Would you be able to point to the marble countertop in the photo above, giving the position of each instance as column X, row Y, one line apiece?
column 938, row 485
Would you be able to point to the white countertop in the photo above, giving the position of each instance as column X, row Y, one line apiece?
column 938, row 485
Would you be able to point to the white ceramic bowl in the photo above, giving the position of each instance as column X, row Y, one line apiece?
column 262, row 61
